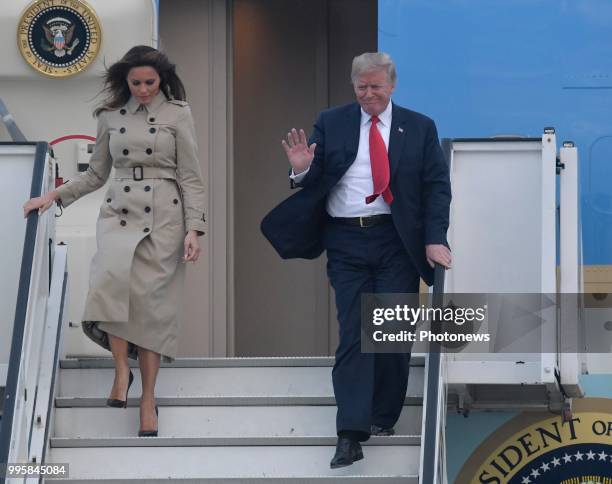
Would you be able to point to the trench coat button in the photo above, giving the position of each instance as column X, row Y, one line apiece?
column 147, row 209
column 124, row 210
column 123, row 111
column 151, row 120
column 126, row 188
column 123, row 223
column 126, row 152
column 149, row 151
column 122, row 130
column 151, row 130
column 146, row 229
column 108, row 200
column 175, row 201
column 147, row 188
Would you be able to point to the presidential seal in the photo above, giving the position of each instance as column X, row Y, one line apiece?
column 533, row 448
column 59, row 38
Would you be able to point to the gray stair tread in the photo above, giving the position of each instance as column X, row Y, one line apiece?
column 214, row 421
column 263, row 400
column 234, row 462
column 85, row 362
column 380, row 479
column 173, row 441
column 200, row 382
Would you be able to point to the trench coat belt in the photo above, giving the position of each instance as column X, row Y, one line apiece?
column 140, row 172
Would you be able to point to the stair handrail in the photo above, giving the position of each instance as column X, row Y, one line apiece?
column 36, row 333
column 432, row 469
column 433, row 449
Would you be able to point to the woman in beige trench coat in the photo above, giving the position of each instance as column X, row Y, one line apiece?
column 149, row 222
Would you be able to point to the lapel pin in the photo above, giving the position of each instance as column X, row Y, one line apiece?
column 400, row 130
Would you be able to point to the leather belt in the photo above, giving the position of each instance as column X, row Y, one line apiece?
column 383, row 218
column 140, row 172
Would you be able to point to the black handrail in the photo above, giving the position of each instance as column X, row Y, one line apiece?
column 432, row 426
column 22, row 301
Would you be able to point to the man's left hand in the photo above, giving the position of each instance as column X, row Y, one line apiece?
column 438, row 253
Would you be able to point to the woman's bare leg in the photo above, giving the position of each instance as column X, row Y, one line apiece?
column 149, row 367
column 119, row 348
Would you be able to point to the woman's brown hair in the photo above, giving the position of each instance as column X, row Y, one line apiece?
column 115, row 79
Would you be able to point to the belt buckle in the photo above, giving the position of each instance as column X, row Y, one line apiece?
column 141, row 173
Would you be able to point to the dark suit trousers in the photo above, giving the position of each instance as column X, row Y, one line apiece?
column 369, row 387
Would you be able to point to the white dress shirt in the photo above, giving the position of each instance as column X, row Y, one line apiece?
column 347, row 197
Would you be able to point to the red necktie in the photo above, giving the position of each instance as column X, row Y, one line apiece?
column 379, row 161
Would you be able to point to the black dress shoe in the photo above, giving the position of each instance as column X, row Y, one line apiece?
column 347, row 452
column 149, row 433
column 382, row 431
column 116, row 403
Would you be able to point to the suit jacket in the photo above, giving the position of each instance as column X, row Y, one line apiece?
column 419, row 182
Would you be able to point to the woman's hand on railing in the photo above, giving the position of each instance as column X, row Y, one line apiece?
column 40, row 203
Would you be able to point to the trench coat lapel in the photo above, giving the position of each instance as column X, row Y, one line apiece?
column 156, row 103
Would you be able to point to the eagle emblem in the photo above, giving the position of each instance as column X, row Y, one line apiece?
column 58, row 37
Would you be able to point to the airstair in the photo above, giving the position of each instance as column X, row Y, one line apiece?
column 225, row 420
column 241, row 420
column 221, row 419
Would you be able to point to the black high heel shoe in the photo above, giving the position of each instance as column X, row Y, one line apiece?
column 116, row 403
column 149, row 433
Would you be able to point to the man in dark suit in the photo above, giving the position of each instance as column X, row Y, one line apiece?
column 375, row 195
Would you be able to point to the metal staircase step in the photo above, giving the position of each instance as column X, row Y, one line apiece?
column 270, row 441
column 417, row 359
column 263, row 400
column 378, row 479
column 210, row 422
column 217, row 463
column 204, row 382
column 224, row 421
